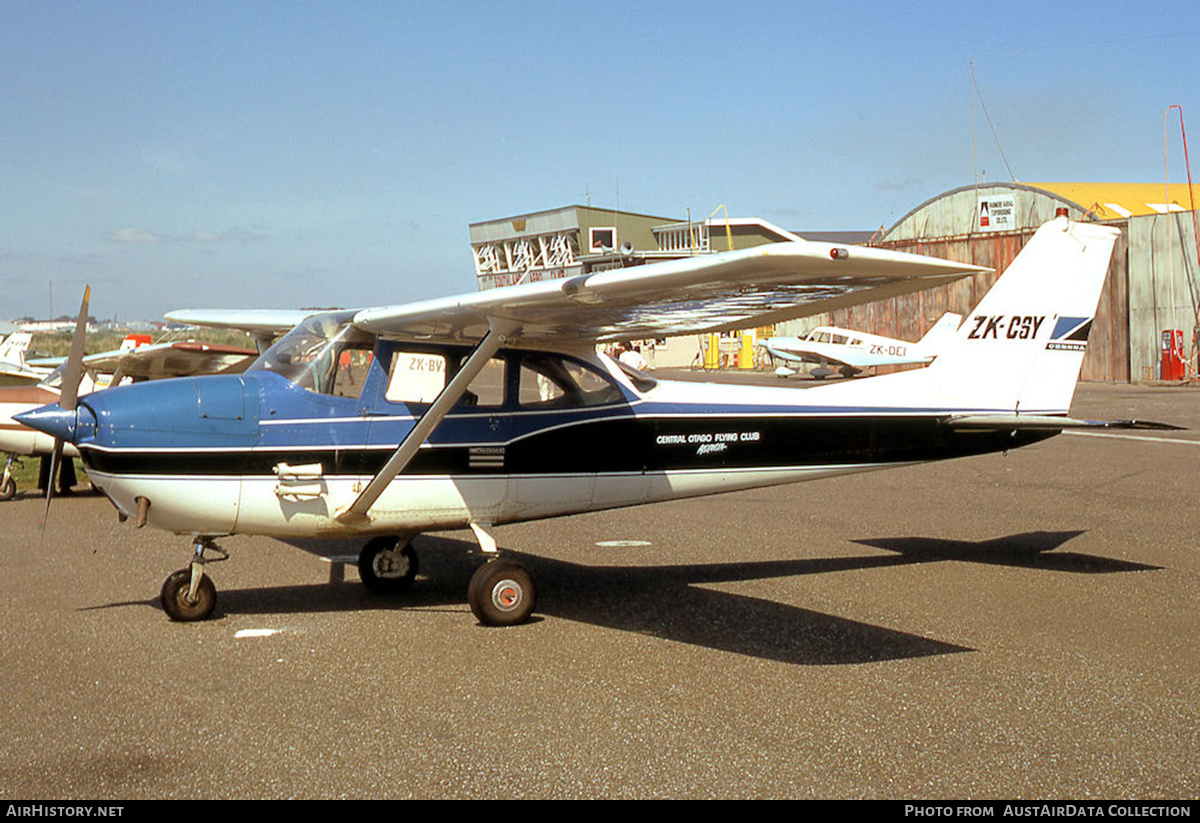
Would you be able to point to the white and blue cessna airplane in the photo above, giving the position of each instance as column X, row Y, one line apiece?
column 494, row 407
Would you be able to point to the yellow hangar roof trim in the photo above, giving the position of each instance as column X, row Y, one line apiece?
column 1113, row 201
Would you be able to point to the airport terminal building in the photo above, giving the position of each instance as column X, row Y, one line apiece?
column 1153, row 287
column 574, row 240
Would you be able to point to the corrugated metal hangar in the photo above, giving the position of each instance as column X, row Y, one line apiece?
column 1153, row 284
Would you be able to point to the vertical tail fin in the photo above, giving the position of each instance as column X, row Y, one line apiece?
column 1022, row 347
column 941, row 333
column 13, row 348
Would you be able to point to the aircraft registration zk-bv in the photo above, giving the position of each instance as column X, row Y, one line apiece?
column 494, row 408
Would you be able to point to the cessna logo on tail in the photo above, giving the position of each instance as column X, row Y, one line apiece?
column 1017, row 327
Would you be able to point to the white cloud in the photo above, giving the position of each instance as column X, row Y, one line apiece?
column 141, row 236
column 135, row 235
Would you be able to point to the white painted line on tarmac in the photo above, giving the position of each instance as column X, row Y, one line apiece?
column 622, row 544
column 255, row 633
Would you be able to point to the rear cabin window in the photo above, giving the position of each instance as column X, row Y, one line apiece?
column 487, row 389
column 554, row 382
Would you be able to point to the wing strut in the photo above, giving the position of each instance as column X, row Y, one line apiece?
column 446, row 399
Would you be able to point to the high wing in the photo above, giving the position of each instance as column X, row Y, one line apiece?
column 263, row 324
column 710, row 293
column 275, row 321
column 13, row 375
column 179, row 359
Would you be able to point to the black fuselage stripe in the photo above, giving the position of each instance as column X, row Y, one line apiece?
column 611, row 447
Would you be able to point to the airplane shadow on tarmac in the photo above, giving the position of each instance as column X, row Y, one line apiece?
column 670, row 602
column 1029, row 550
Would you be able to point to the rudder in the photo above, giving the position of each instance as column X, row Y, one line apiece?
column 1022, row 347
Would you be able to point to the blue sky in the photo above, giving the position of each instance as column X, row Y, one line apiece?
column 272, row 154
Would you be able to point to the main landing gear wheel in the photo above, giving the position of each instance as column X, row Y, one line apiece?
column 178, row 606
column 385, row 567
column 501, row 593
column 8, row 489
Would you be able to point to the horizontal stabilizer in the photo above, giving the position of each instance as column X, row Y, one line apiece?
column 1033, row 422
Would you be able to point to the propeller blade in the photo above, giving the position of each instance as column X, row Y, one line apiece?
column 55, row 457
column 73, row 373
column 69, row 394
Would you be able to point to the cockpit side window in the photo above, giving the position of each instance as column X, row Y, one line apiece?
column 416, row 377
column 419, row 376
column 353, row 363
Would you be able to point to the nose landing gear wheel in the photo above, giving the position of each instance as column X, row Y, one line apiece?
column 8, row 489
column 385, row 567
column 502, row 593
column 175, row 600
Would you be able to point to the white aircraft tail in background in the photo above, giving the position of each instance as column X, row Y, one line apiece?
column 13, row 369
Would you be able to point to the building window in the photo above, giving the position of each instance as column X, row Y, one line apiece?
column 601, row 238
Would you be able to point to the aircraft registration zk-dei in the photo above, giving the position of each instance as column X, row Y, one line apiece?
column 495, row 407
column 852, row 351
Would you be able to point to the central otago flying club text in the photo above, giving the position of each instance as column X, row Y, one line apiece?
column 699, row 439
column 1017, row 327
column 708, row 442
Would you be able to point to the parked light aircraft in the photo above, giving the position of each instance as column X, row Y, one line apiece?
column 494, row 407
column 852, row 351
column 133, row 361
column 13, row 369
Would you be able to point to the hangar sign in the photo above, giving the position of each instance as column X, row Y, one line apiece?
column 996, row 214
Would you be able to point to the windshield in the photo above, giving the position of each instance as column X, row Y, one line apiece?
column 87, row 381
column 55, row 378
column 313, row 354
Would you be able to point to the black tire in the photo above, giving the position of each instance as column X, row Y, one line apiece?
column 9, row 489
column 175, row 602
column 384, row 570
column 501, row 593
